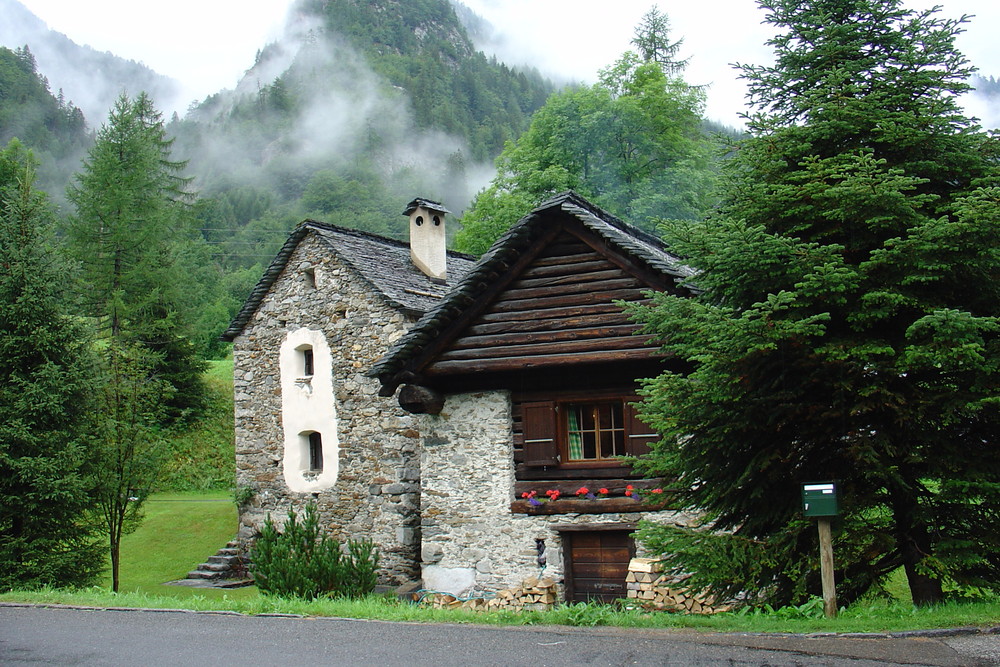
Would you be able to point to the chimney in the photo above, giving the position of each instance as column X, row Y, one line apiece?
column 428, row 249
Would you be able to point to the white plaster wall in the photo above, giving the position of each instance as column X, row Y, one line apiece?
column 307, row 404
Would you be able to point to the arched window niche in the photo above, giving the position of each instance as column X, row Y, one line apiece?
column 308, row 412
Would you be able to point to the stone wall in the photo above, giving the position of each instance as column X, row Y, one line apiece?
column 471, row 539
column 375, row 492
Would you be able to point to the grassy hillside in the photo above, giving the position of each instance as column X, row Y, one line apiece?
column 180, row 530
column 203, row 454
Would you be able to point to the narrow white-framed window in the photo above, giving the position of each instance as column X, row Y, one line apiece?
column 313, row 456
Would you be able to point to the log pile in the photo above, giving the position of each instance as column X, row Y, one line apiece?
column 533, row 593
column 651, row 589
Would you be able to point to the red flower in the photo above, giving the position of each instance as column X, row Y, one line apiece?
column 628, row 491
column 552, row 494
column 582, row 491
column 657, row 491
column 528, row 494
column 603, row 491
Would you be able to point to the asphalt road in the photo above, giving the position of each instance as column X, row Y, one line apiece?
column 70, row 636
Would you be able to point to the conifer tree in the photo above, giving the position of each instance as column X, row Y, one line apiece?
column 46, row 367
column 127, row 235
column 848, row 327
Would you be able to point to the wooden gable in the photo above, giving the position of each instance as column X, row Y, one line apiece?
column 558, row 308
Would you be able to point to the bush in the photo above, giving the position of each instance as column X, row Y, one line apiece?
column 299, row 561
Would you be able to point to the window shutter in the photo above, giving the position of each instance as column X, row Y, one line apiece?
column 639, row 434
column 538, row 421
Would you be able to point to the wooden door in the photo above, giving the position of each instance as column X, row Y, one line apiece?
column 596, row 564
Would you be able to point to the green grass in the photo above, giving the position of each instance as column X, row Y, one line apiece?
column 861, row 618
column 180, row 530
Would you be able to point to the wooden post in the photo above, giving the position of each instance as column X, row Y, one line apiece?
column 826, row 567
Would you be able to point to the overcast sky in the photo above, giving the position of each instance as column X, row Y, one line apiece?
column 207, row 44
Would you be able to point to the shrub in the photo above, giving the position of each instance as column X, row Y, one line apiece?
column 299, row 561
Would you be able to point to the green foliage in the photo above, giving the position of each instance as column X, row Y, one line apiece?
column 46, row 388
column 128, row 237
column 390, row 99
column 201, row 452
column 847, row 326
column 157, row 552
column 300, row 560
column 632, row 143
column 128, row 446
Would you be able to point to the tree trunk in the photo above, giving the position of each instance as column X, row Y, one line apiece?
column 925, row 589
column 914, row 544
column 115, row 551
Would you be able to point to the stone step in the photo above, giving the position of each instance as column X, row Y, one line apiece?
column 228, row 552
column 202, row 574
column 228, row 560
column 214, row 567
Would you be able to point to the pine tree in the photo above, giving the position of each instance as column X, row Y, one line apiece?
column 127, row 235
column 848, row 327
column 652, row 41
column 45, row 388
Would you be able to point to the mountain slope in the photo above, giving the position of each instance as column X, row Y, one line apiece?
column 357, row 109
column 89, row 78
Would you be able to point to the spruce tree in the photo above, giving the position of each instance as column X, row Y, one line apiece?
column 128, row 233
column 46, row 367
column 848, row 323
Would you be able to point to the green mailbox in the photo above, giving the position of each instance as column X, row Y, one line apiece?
column 820, row 499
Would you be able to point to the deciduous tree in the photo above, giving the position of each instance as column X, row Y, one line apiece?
column 632, row 143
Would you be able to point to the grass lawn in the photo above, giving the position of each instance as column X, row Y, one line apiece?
column 180, row 530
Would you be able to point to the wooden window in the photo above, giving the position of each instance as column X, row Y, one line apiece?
column 315, row 452
column 594, row 431
column 582, row 433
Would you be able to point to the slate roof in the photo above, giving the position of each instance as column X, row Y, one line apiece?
column 384, row 263
column 639, row 244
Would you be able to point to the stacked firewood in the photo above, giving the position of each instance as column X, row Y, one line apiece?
column 449, row 601
column 650, row 588
column 533, row 593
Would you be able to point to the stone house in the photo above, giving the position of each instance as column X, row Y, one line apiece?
column 474, row 442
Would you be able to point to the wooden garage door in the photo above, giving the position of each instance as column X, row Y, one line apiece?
column 596, row 564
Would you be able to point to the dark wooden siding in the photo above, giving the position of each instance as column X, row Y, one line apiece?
column 561, row 310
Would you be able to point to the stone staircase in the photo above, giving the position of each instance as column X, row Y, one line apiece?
column 227, row 566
